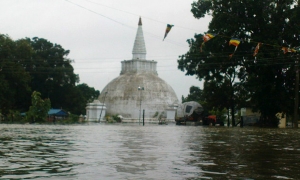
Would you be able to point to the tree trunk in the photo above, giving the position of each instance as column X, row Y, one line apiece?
column 232, row 115
column 228, row 115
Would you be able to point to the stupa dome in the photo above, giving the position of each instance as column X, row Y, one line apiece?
column 138, row 87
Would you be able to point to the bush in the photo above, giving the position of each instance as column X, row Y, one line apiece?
column 219, row 113
column 155, row 115
column 14, row 117
column 116, row 118
column 71, row 119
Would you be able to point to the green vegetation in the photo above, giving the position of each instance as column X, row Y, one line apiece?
column 37, row 65
column 264, row 82
column 15, row 117
column 155, row 115
column 38, row 111
column 161, row 115
column 71, row 119
column 116, row 118
column 219, row 114
column 113, row 118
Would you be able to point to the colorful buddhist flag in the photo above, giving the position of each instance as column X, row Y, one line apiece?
column 206, row 38
column 257, row 48
column 235, row 42
column 168, row 29
column 286, row 50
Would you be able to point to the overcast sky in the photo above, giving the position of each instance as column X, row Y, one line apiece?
column 100, row 34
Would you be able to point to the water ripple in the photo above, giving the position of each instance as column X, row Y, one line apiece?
column 130, row 151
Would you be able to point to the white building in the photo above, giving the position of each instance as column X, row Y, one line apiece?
column 95, row 111
column 138, row 87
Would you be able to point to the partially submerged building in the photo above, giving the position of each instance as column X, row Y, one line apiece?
column 138, row 88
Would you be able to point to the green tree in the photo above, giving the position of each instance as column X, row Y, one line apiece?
column 216, row 96
column 29, row 65
column 195, row 94
column 258, row 79
column 79, row 97
column 51, row 71
column 14, row 80
column 38, row 111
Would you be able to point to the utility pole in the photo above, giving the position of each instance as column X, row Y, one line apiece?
column 295, row 120
column 140, row 89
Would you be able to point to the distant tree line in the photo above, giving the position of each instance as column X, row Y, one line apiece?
column 233, row 76
column 29, row 65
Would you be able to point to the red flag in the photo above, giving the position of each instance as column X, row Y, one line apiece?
column 257, row 48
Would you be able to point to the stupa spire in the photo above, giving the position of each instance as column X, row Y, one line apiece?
column 139, row 48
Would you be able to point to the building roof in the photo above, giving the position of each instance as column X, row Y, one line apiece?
column 57, row 112
column 54, row 112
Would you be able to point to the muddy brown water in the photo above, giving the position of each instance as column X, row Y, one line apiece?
column 132, row 151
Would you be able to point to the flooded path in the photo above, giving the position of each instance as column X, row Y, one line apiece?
column 131, row 151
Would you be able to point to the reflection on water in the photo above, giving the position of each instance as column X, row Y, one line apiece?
column 118, row 151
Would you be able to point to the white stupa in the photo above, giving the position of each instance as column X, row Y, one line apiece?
column 138, row 87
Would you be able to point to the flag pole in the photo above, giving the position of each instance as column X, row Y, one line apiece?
column 295, row 120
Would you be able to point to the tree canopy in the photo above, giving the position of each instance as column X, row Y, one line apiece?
column 195, row 94
column 28, row 65
column 14, row 79
column 265, row 81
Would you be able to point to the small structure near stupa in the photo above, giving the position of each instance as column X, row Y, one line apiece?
column 95, row 111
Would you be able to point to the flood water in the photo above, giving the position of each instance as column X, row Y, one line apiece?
column 132, row 151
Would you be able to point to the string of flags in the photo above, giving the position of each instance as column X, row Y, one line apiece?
column 233, row 41
column 236, row 41
column 168, row 29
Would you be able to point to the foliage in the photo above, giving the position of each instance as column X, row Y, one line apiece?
column 28, row 65
column 113, row 118
column 196, row 94
column 51, row 71
column 13, row 117
column 71, row 119
column 81, row 95
column 161, row 115
column 14, row 80
column 219, row 113
column 155, row 115
column 38, row 111
column 245, row 79
column 116, row 117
